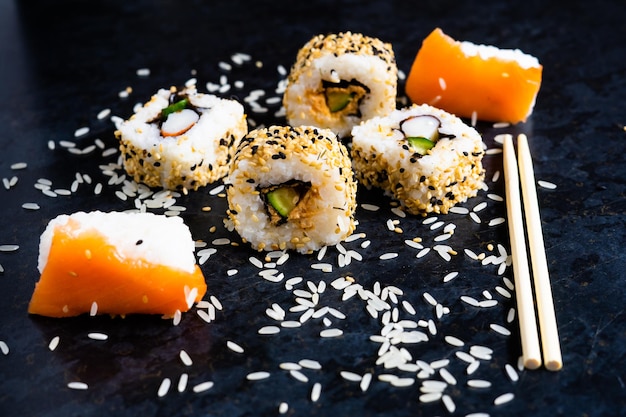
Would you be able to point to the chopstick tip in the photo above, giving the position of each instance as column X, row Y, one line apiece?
column 532, row 363
column 554, row 365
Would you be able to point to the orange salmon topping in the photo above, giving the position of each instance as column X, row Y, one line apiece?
column 85, row 269
column 474, row 80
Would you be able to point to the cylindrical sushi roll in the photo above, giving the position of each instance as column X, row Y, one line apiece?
column 291, row 188
column 338, row 80
column 181, row 139
column 116, row 263
column 426, row 158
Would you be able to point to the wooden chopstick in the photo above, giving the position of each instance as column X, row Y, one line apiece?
column 531, row 353
column 543, row 293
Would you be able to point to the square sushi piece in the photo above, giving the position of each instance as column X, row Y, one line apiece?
column 116, row 263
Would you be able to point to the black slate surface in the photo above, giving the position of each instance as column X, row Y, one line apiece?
column 62, row 62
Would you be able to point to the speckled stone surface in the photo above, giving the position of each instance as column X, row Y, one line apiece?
column 62, row 62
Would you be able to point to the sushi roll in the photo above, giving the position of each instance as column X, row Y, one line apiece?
column 116, row 263
column 338, row 80
column 474, row 81
column 291, row 188
column 426, row 158
column 181, row 139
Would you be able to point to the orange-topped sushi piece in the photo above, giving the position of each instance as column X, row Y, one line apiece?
column 117, row 264
column 474, row 81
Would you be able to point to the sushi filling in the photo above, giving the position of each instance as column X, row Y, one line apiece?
column 344, row 96
column 178, row 117
column 289, row 202
column 422, row 132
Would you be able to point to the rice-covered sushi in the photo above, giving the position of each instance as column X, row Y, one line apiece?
column 338, row 80
column 116, row 263
column 426, row 158
column 291, row 188
column 181, row 139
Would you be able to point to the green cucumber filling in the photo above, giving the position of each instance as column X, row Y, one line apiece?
column 344, row 96
column 338, row 100
column 282, row 200
column 421, row 132
column 174, row 107
column 420, row 144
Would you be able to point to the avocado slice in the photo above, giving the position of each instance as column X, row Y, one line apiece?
column 420, row 144
column 283, row 199
column 337, row 100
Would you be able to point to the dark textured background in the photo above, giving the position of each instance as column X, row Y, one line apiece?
column 62, row 61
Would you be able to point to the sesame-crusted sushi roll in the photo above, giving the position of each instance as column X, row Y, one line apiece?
column 291, row 188
column 338, row 80
column 181, row 139
column 426, row 158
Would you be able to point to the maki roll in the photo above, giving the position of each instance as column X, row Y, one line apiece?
column 116, row 263
column 181, row 139
column 291, row 188
column 426, row 158
column 338, row 80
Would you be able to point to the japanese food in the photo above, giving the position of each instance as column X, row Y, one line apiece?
column 181, row 139
column 291, row 188
column 426, row 158
column 116, row 263
column 339, row 80
column 475, row 81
